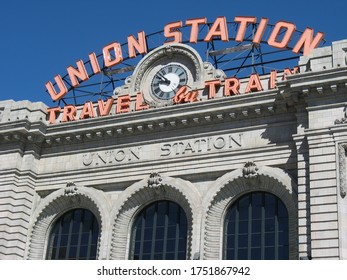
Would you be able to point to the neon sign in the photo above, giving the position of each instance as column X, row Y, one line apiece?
column 112, row 55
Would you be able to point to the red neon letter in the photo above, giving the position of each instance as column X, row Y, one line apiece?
column 53, row 114
column 94, row 62
column 104, row 110
column 287, row 36
column 195, row 28
column 80, row 73
column 139, row 45
column 69, row 113
column 244, row 21
column 288, row 72
column 306, row 40
column 254, row 84
column 212, row 85
column 192, row 96
column 232, row 86
column 123, row 104
column 62, row 88
column 180, row 95
column 260, row 30
column 171, row 32
column 219, row 28
column 87, row 111
column 272, row 80
column 109, row 61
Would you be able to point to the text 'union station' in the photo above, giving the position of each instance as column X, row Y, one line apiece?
column 226, row 141
column 112, row 54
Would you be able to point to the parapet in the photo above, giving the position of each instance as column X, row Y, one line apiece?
column 13, row 111
column 329, row 57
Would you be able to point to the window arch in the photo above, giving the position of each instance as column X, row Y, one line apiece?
column 160, row 232
column 74, row 236
column 256, row 227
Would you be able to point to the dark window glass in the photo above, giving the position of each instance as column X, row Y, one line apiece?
column 256, row 227
column 160, row 233
column 74, row 236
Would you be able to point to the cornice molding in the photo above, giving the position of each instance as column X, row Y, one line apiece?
column 157, row 119
column 316, row 77
column 200, row 113
column 315, row 83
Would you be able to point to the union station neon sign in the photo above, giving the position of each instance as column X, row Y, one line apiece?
column 112, row 55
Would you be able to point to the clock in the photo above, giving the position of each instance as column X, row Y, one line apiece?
column 163, row 71
column 167, row 81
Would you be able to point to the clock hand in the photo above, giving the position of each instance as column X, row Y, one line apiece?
column 166, row 80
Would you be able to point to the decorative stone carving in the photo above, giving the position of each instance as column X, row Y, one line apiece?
column 154, row 180
column 196, row 256
column 343, row 120
column 168, row 50
column 1, row 112
column 345, row 54
column 250, row 170
column 342, row 169
column 71, row 189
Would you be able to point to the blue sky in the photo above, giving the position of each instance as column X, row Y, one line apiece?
column 39, row 39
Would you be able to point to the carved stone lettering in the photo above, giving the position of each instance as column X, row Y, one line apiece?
column 112, row 157
column 202, row 145
column 157, row 151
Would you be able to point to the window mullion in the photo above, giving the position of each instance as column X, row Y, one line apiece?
column 69, row 238
column 177, row 236
column 276, row 231
column 89, row 240
column 59, row 240
column 166, row 225
column 154, row 228
column 237, row 221
column 80, row 236
column 249, row 232
column 262, row 238
column 142, row 238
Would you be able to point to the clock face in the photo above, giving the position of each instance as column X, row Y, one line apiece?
column 164, row 71
column 167, row 81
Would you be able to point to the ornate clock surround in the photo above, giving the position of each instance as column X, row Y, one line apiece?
column 179, row 54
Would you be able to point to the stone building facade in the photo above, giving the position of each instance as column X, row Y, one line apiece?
column 288, row 142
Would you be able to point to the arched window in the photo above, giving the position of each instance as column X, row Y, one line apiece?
column 256, row 227
column 74, row 236
column 160, row 232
